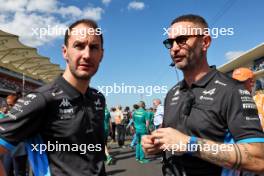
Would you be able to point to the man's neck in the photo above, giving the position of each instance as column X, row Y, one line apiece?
column 198, row 72
column 79, row 84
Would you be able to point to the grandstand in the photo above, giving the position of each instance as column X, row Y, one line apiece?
column 21, row 67
column 253, row 59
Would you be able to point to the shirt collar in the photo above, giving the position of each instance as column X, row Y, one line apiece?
column 69, row 89
column 203, row 81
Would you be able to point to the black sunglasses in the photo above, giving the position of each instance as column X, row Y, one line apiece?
column 180, row 40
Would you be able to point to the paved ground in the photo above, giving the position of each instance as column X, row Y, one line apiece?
column 125, row 164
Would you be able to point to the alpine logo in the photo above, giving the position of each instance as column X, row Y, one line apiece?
column 209, row 92
column 65, row 103
column 98, row 104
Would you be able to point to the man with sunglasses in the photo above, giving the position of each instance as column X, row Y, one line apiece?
column 210, row 125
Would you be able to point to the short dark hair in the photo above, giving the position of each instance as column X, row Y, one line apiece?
column 191, row 18
column 135, row 106
column 88, row 22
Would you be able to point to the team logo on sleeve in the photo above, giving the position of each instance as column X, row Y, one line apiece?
column 98, row 104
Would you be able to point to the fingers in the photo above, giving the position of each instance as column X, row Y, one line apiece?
column 149, row 146
column 152, row 151
column 147, row 142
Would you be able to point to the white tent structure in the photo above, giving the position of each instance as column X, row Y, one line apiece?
column 25, row 60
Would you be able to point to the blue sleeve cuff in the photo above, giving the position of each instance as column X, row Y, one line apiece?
column 251, row 140
column 7, row 145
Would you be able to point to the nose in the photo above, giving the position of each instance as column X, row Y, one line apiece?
column 175, row 46
column 86, row 52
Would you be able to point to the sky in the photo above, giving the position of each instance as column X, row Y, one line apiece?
column 133, row 34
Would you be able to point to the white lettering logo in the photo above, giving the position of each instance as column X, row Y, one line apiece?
column 244, row 92
column 56, row 93
column 219, row 82
column 175, row 99
column 206, row 98
column 249, row 106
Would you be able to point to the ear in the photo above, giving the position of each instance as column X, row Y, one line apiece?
column 65, row 53
column 206, row 42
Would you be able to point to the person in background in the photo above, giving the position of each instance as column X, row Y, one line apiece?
column 259, row 100
column 126, row 119
column 158, row 116
column 120, row 127
column 246, row 77
column 141, row 123
column 151, row 119
column 107, row 129
column 113, row 132
column 16, row 163
column 134, row 139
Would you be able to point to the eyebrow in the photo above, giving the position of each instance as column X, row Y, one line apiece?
column 84, row 42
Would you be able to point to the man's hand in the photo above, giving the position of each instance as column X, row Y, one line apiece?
column 149, row 146
column 170, row 139
column 164, row 139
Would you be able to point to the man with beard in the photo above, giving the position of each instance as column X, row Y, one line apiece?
column 62, row 122
column 210, row 125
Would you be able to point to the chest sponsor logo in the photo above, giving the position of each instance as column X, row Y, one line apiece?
column 173, row 103
column 65, row 103
column 175, row 99
column 209, row 92
column 220, row 83
column 65, row 108
column 206, row 98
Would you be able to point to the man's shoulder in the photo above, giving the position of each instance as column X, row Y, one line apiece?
column 224, row 80
column 175, row 87
column 227, row 84
column 95, row 93
column 50, row 90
